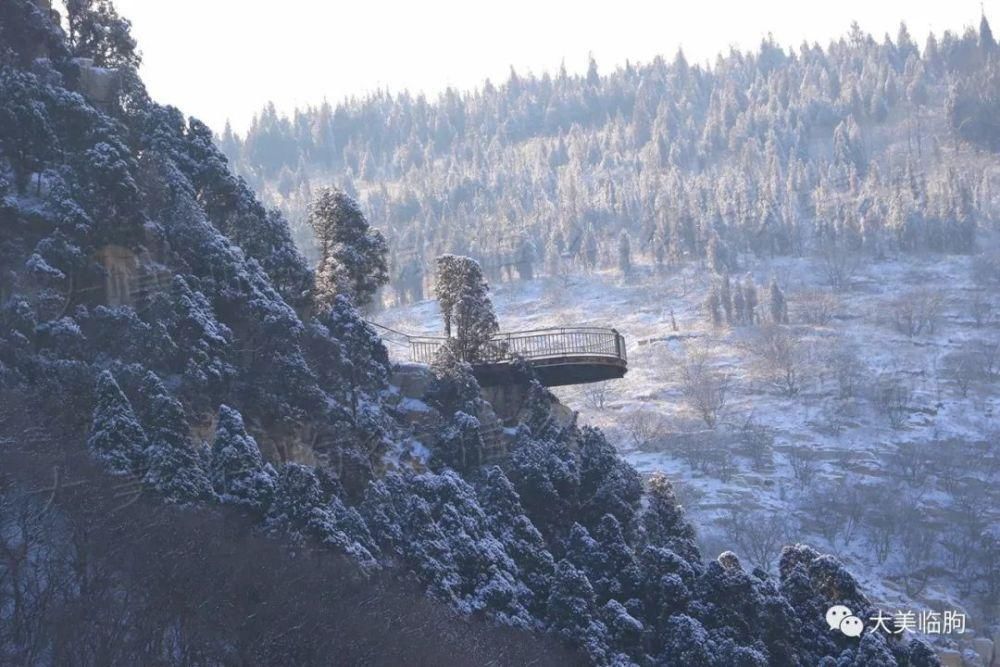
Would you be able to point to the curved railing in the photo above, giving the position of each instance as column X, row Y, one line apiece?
column 535, row 344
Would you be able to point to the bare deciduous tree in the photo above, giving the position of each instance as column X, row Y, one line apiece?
column 916, row 312
column 981, row 307
column 689, row 495
column 910, row 462
column 891, row 396
column 987, row 352
column 845, row 365
column 840, row 264
column 720, row 462
column 696, row 448
column 758, row 442
column 962, row 367
column 883, row 504
column 760, row 536
column 783, row 356
column 949, row 462
column 597, row 395
column 644, row 427
column 917, row 545
column 968, row 541
column 820, row 507
column 833, row 418
column 704, row 386
column 816, row 307
column 804, row 464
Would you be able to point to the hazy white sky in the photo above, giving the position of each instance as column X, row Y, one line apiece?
column 219, row 59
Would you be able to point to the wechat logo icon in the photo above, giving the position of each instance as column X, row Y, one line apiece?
column 839, row 617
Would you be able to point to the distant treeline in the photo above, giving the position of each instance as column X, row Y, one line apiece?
column 863, row 145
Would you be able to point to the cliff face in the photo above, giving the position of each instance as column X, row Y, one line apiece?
column 502, row 409
column 411, row 388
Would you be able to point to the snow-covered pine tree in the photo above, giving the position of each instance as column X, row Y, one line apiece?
column 97, row 31
column 116, row 437
column 173, row 466
column 739, row 305
column 538, row 408
column 347, row 354
column 779, row 307
column 546, row 475
column 713, row 306
column 585, row 553
column 619, row 576
column 572, row 612
column 987, row 43
column 460, row 444
column 726, row 297
column 685, row 643
column 663, row 520
column 624, row 633
column 352, row 255
column 625, row 254
column 454, row 387
column 303, row 510
column 520, row 538
column 238, row 472
column 463, row 296
column 750, row 301
column 608, row 484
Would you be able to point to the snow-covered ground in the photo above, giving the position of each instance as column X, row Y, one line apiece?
column 846, row 439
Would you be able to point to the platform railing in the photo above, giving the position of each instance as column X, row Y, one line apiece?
column 535, row 344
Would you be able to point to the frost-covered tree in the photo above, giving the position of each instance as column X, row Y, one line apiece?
column 779, row 306
column 608, row 484
column 663, row 520
column 739, row 305
column 454, row 387
column 584, row 553
column 304, row 508
column 460, row 443
column 520, row 538
column 726, row 297
column 348, row 356
column 618, row 575
column 352, row 255
column 192, row 338
column 173, row 465
column 572, row 611
column 624, row 631
column 116, row 437
column 546, row 476
column 686, row 642
column 750, row 302
column 987, row 43
column 463, row 296
column 525, row 259
column 97, row 31
column 537, row 411
column 299, row 502
column 625, row 254
column 713, row 306
column 238, row 472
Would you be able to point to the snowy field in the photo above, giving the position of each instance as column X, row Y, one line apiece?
column 855, row 424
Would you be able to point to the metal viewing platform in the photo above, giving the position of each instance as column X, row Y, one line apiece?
column 560, row 356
